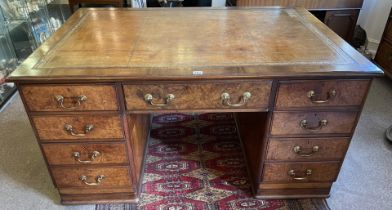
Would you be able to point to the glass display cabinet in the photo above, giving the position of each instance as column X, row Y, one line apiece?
column 8, row 62
column 25, row 24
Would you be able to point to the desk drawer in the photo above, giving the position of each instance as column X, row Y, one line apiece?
column 321, row 93
column 309, row 149
column 313, row 123
column 91, row 177
column 70, row 97
column 85, row 153
column 301, row 172
column 241, row 95
column 60, row 127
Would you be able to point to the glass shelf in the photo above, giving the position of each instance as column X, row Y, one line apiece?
column 8, row 63
column 25, row 25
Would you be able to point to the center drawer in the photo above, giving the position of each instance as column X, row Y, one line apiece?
column 201, row 96
column 86, row 127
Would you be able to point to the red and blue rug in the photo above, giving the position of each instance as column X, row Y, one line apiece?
column 196, row 162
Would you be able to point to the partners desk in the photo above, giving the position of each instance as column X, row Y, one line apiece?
column 296, row 87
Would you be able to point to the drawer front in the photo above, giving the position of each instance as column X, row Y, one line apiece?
column 313, row 123
column 321, row 93
column 91, row 177
column 59, row 127
column 384, row 55
column 229, row 95
column 70, row 97
column 85, row 153
column 310, row 149
column 300, row 172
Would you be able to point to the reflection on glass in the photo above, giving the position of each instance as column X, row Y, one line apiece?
column 24, row 25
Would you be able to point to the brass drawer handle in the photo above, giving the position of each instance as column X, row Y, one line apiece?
column 298, row 150
column 92, row 157
column 292, row 174
column 244, row 99
column 88, row 128
column 312, row 96
column 304, row 124
column 98, row 180
column 78, row 100
column 149, row 99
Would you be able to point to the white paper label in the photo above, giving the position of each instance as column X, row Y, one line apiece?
column 196, row 73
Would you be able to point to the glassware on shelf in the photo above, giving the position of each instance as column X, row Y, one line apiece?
column 8, row 63
column 25, row 25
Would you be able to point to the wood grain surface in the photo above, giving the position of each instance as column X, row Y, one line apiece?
column 139, row 128
column 329, row 149
column 308, row 4
column 42, row 97
column 51, row 127
column 270, row 186
column 288, row 123
column 294, row 94
column 199, row 96
column 90, row 191
column 192, row 44
column 70, row 176
column 62, row 153
column 321, row 172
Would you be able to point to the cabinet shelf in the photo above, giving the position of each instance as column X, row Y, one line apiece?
column 25, row 24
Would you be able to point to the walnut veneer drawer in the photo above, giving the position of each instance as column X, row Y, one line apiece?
column 89, row 127
column 309, row 149
column 85, row 153
column 301, row 172
column 69, row 97
column 218, row 95
column 91, row 177
column 313, row 123
column 321, row 93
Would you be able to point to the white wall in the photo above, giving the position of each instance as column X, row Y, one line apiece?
column 373, row 17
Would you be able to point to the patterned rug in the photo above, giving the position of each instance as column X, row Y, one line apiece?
column 196, row 162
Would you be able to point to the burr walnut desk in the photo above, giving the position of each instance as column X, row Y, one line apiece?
column 297, row 90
